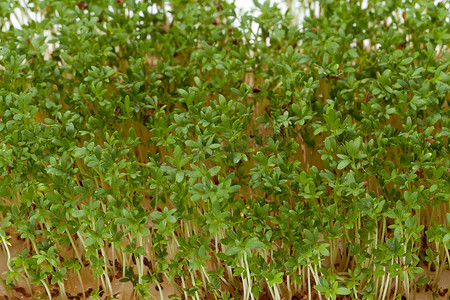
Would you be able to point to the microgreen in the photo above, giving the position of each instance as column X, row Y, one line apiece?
column 182, row 145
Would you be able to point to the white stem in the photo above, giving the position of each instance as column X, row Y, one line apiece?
column 46, row 289
column 161, row 295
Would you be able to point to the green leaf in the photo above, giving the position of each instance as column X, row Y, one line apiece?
column 78, row 213
column 214, row 170
column 93, row 163
column 254, row 243
column 79, row 152
column 123, row 221
column 343, row 164
column 233, row 251
column 416, row 270
column 320, row 288
column 179, row 176
column 343, row 291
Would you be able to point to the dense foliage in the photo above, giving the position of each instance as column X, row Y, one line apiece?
column 231, row 156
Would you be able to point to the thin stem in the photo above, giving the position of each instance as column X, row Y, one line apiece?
column 161, row 295
column 46, row 289
column 309, row 284
column 8, row 254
